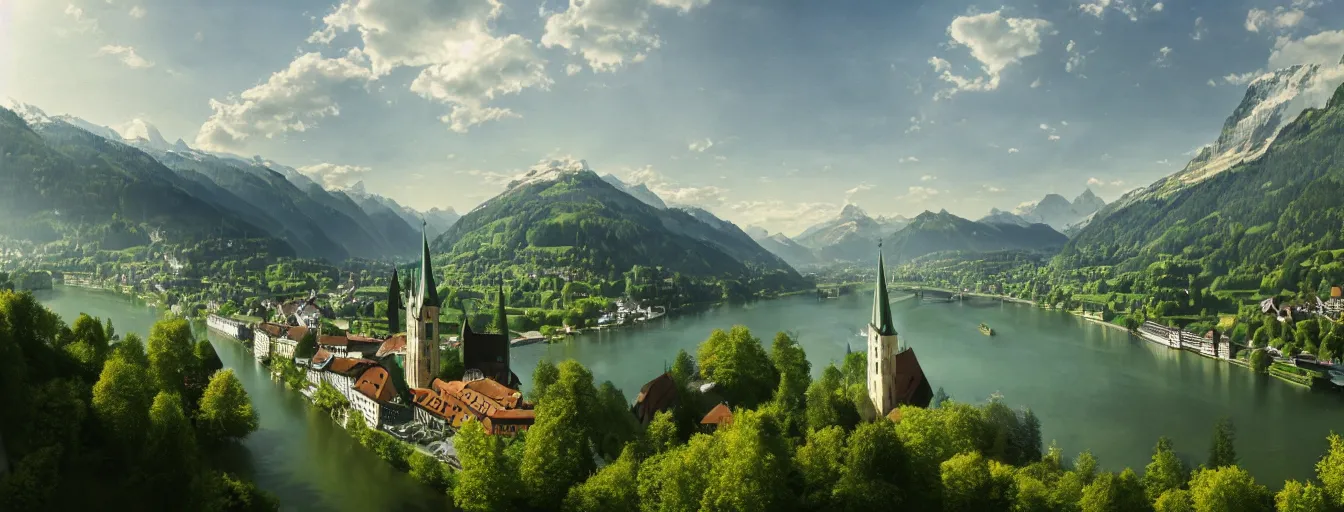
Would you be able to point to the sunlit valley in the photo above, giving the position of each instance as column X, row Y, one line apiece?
column 672, row 255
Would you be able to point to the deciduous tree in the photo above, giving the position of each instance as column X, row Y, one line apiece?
column 226, row 412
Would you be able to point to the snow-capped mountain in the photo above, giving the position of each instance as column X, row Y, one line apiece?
column 1052, row 210
column 788, row 250
column 29, row 113
column 640, row 191
column 139, row 129
column 850, row 236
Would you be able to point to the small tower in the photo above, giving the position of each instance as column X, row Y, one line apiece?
column 882, row 346
column 422, row 326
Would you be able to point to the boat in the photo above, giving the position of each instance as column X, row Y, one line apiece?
column 985, row 330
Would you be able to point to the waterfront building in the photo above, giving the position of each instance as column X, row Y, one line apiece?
column 364, row 383
column 233, row 328
column 895, row 377
column 284, row 345
column 445, row 405
column 659, row 394
column 422, row 325
column 264, row 336
column 350, row 345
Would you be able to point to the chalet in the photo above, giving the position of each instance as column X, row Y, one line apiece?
column 659, row 394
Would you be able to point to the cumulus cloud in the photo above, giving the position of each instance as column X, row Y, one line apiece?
column 671, row 191
column 1322, row 48
column 1157, row 7
column 1098, row 8
column 1098, row 182
column 783, row 216
column 995, row 41
column 919, row 194
column 462, row 64
column 1241, row 78
column 335, row 176
column 1280, row 18
column 1012, row 150
column 849, row 194
column 1163, row 57
column 289, row 101
column 1035, row 83
column 137, row 12
column 79, row 22
column 907, row 159
column 701, row 146
column 916, row 124
column 1045, row 126
column 1075, row 58
column 127, row 56
column 1199, row 30
column 1052, row 138
column 608, row 34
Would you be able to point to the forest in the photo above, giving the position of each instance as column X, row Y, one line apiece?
column 94, row 418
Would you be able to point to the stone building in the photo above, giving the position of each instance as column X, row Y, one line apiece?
column 422, row 326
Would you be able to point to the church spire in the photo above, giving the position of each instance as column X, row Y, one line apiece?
column 501, row 317
column 881, row 303
column 428, row 292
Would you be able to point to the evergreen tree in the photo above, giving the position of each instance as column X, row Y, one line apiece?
column 1166, row 472
column 394, row 305
column 1223, row 451
column 500, row 324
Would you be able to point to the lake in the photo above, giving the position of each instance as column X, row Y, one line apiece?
column 1093, row 387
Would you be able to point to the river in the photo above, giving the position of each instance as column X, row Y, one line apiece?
column 1092, row 386
column 298, row 453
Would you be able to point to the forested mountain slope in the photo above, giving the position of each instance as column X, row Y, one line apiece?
column 936, row 232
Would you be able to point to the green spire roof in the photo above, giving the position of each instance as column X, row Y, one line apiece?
column 881, row 304
column 501, row 318
column 429, row 292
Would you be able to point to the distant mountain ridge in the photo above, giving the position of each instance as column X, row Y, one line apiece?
column 850, row 236
column 1053, row 210
column 277, row 200
column 930, row 232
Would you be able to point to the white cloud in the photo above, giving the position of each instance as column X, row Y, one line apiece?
column 907, row 159
column 137, row 12
column 1075, row 58
column 81, row 24
column 993, row 189
column 1036, row 83
column 920, row 194
column 1322, row 48
column 1045, row 126
column 608, row 34
column 289, row 101
column 701, row 146
column 1199, row 30
column 995, row 41
column 916, row 124
column 849, row 194
column 671, row 191
column 783, row 216
column 335, row 176
column 200, row 36
column 127, row 56
column 1098, row 8
column 1163, row 57
column 462, row 64
column 1157, row 7
column 927, row 177
column 1280, row 18
column 1098, row 182
column 1012, row 150
column 1212, row 83
column 1241, row 78
column 1052, row 138
column 1063, row 123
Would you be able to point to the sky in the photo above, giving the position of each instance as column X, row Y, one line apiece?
column 773, row 113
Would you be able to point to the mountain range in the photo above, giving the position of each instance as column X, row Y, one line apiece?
column 1053, row 210
column 260, row 198
column 1266, row 191
column 562, row 214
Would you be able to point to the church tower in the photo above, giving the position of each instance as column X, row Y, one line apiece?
column 422, row 326
column 882, row 346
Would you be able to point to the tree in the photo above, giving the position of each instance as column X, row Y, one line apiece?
column 754, row 477
column 739, row 365
column 615, row 488
column 676, row 480
column 821, row 464
column 170, row 456
column 967, row 485
column 1228, row 489
column 307, row 346
column 612, row 425
column 1086, row 466
column 683, row 368
column 876, row 470
column 1166, row 472
column 1330, row 470
column 487, row 478
column 558, row 452
column 121, row 401
column 1112, row 492
column 1223, row 451
column 1175, row 500
column 394, row 305
column 661, row 433
column 237, row 495
column 226, row 412
column 429, row 471
column 543, row 377
column 1260, row 360
column 1296, row 497
column 451, row 367
column 170, row 354
column 132, row 350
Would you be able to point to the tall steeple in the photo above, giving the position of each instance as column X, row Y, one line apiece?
column 394, row 305
column 501, row 318
column 881, row 303
column 428, row 292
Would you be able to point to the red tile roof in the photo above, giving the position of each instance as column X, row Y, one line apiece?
column 719, row 415
column 349, row 367
column 321, row 357
column 911, row 387
column 272, row 329
column 392, row 345
column 332, row 341
column 479, row 402
column 376, row 384
column 514, row 414
column 495, row 391
column 296, row 333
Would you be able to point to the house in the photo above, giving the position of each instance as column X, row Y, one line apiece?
column 300, row 312
column 659, row 394
column 719, row 416
column 364, row 383
column 264, row 336
column 349, row 345
column 445, row 405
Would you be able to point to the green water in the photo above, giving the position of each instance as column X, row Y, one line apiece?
column 1093, row 387
column 298, row 453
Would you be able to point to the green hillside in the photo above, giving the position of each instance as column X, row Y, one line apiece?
column 937, row 232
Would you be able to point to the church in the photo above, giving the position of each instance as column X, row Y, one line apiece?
column 894, row 375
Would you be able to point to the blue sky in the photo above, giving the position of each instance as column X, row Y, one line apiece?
column 767, row 112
